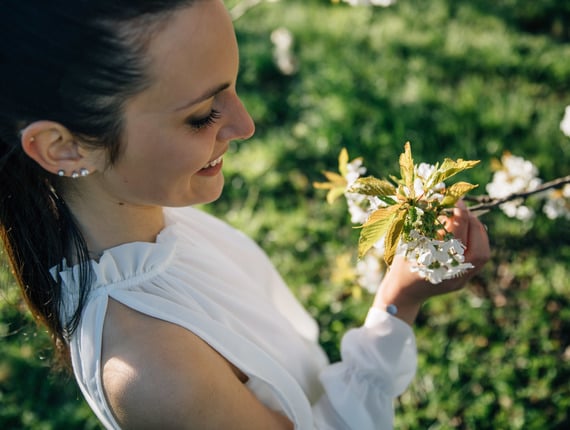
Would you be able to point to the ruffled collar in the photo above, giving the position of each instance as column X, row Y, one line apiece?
column 119, row 267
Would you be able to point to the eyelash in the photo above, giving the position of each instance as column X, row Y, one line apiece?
column 198, row 124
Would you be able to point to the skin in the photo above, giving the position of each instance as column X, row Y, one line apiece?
column 146, row 377
column 408, row 291
column 163, row 153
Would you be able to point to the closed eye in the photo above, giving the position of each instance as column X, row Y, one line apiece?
column 207, row 121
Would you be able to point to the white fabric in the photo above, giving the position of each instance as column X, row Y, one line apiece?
column 205, row 276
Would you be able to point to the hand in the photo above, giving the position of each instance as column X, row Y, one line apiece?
column 408, row 291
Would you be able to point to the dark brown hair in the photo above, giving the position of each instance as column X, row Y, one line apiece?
column 75, row 62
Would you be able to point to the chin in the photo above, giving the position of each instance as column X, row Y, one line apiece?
column 206, row 196
column 213, row 198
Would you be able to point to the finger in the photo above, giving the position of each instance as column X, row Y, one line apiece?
column 478, row 249
column 458, row 223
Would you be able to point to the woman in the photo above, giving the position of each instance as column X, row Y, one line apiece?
column 109, row 133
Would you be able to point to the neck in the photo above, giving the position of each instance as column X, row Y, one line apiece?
column 106, row 223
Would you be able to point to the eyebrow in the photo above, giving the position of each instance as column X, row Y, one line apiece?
column 205, row 96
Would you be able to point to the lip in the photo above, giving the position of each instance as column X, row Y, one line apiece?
column 215, row 169
column 213, row 162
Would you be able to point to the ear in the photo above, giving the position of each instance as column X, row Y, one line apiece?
column 54, row 148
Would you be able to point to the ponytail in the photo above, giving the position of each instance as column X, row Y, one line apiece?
column 39, row 233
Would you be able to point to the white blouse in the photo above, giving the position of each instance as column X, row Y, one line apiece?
column 211, row 279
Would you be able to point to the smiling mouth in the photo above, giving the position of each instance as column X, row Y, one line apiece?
column 213, row 163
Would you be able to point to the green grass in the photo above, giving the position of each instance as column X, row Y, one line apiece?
column 462, row 79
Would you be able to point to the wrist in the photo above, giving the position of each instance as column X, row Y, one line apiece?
column 400, row 309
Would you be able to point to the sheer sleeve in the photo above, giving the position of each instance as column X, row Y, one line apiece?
column 378, row 362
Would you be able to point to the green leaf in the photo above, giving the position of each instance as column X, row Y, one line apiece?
column 455, row 192
column 393, row 236
column 372, row 186
column 375, row 227
column 407, row 167
column 450, row 168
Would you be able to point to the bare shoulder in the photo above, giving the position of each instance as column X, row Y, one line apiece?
column 159, row 374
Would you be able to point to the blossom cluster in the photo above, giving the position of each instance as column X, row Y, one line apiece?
column 557, row 204
column 517, row 176
column 403, row 218
column 434, row 259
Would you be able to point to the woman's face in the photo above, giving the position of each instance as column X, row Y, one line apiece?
column 177, row 131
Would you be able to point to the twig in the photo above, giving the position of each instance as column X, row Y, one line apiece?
column 485, row 202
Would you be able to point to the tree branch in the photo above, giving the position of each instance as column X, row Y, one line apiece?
column 485, row 203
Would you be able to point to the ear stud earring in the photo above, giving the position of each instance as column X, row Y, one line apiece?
column 82, row 172
column 61, row 172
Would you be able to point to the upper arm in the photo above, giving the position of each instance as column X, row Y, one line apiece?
column 160, row 375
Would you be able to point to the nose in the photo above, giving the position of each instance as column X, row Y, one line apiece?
column 240, row 125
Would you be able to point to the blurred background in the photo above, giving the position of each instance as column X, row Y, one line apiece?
column 459, row 79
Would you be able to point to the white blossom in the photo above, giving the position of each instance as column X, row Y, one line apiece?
column 565, row 123
column 357, row 207
column 516, row 175
column 358, row 204
column 418, row 187
column 370, row 271
column 425, row 170
column 282, row 40
column 435, row 260
column 557, row 204
column 424, row 189
column 376, row 203
column 355, row 170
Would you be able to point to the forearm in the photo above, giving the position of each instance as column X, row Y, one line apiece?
column 391, row 293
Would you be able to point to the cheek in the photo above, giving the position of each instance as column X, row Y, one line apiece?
column 172, row 168
column 160, row 151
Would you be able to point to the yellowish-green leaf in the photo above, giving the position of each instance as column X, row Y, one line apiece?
column 343, row 162
column 407, row 167
column 372, row 186
column 334, row 194
column 323, row 185
column 336, row 186
column 455, row 192
column 375, row 227
column 335, row 178
column 450, row 168
column 381, row 214
column 393, row 236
